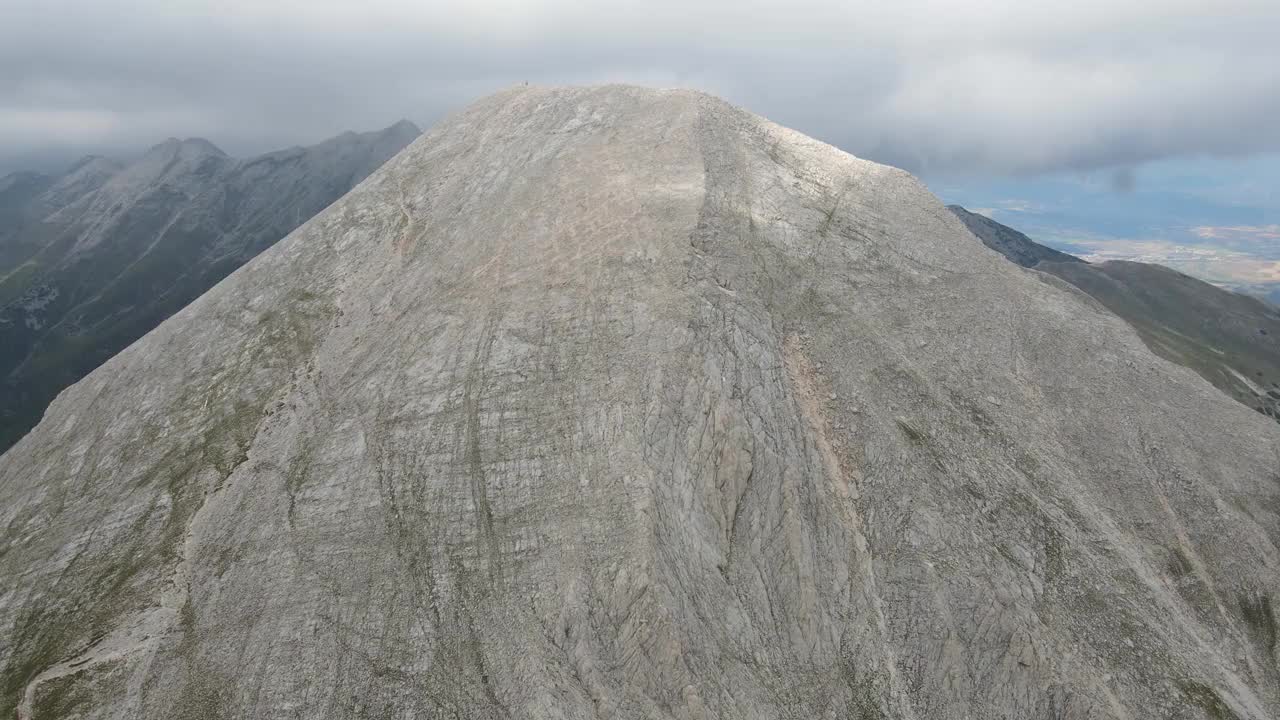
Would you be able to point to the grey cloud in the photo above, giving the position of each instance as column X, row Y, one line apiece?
column 938, row 87
column 1123, row 180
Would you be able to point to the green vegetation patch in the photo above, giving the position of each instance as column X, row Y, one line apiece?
column 1208, row 699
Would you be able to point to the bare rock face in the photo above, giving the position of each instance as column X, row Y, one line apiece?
column 629, row 404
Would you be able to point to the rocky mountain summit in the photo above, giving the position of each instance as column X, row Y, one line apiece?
column 625, row 403
column 92, row 260
column 1230, row 339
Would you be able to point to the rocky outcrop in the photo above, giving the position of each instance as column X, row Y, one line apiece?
column 626, row 403
column 92, row 260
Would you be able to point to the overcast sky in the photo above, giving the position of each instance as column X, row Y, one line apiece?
column 1007, row 86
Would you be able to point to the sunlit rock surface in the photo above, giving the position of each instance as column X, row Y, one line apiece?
column 625, row 403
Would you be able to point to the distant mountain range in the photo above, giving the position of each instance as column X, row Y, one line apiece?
column 1231, row 340
column 94, row 258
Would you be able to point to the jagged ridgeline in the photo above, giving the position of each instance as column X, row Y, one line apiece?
column 626, row 403
column 93, row 259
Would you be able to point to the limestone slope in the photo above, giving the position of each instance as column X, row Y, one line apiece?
column 624, row 403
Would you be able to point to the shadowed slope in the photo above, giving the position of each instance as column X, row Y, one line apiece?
column 107, row 252
column 1009, row 242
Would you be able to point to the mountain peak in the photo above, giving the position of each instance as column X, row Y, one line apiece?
column 402, row 127
column 203, row 146
column 617, row 401
column 188, row 147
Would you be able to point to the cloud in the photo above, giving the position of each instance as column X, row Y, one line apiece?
column 1238, row 232
column 999, row 86
column 1019, row 206
column 1123, row 180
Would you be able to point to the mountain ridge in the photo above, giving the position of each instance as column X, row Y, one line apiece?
column 108, row 249
column 629, row 403
column 1009, row 242
column 1230, row 339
